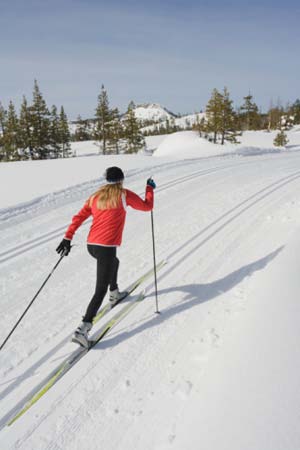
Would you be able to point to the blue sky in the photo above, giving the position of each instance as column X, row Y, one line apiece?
column 170, row 52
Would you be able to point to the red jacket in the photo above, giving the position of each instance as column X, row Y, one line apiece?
column 108, row 224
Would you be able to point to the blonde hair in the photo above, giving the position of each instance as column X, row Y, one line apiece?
column 108, row 196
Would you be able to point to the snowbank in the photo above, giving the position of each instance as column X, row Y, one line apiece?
column 187, row 144
column 152, row 142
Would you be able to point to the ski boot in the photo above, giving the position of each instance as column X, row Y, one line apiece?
column 80, row 335
column 116, row 296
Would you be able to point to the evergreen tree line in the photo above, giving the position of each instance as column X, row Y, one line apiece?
column 224, row 123
column 36, row 133
column 40, row 133
column 113, row 132
column 168, row 126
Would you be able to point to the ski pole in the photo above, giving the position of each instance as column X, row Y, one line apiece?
column 17, row 323
column 154, row 261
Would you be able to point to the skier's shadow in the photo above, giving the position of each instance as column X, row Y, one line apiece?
column 195, row 295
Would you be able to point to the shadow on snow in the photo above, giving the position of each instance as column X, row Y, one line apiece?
column 195, row 294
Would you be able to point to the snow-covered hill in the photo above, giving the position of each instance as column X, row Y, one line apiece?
column 149, row 112
column 152, row 111
column 219, row 367
column 184, row 122
column 188, row 144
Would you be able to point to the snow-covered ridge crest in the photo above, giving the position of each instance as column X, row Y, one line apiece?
column 152, row 111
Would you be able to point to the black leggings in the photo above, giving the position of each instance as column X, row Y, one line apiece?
column 107, row 274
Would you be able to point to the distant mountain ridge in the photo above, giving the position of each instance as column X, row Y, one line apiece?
column 151, row 116
column 152, row 112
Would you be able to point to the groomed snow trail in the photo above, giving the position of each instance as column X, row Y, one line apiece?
column 220, row 222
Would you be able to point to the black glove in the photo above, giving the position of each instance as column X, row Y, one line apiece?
column 150, row 182
column 64, row 247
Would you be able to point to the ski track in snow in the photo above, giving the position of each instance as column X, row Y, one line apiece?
column 119, row 386
column 84, row 192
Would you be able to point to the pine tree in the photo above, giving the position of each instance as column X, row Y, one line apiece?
column 173, row 125
column 221, row 118
column 40, row 124
column 25, row 129
column 200, row 126
column 214, row 114
column 54, row 133
column 250, row 118
column 11, row 134
column 134, row 139
column 64, row 134
column 295, row 111
column 288, row 118
column 228, row 119
column 103, row 117
column 3, row 115
column 115, row 132
column 281, row 139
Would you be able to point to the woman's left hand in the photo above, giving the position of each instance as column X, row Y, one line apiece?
column 64, row 247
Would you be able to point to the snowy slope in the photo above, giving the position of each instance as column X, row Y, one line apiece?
column 54, row 177
column 188, row 144
column 152, row 111
column 181, row 122
column 143, row 112
column 229, row 227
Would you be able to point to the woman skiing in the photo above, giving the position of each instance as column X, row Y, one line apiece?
column 107, row 207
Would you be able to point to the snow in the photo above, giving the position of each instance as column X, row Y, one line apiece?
column 190, row 119
column 52, row 176
column 182, row 122
column 264, row 366
column 219, row 367
column 188, row 144
column 152, row 111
